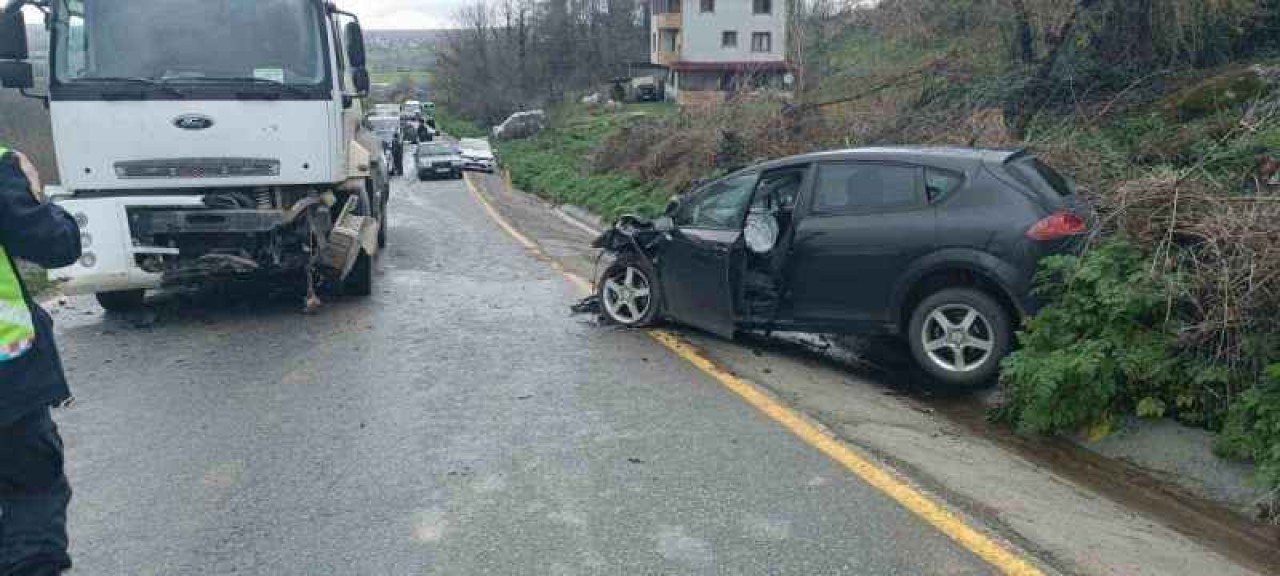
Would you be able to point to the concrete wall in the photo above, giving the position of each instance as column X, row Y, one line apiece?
column 702, row 31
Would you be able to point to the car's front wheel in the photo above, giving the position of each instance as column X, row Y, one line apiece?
column 629, row 293
column 959, row 336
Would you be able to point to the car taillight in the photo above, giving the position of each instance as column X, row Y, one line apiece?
column 1060, row 225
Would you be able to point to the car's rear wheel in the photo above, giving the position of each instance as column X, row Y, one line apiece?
column 629, row 293
column 959, row 336
column 122, row 301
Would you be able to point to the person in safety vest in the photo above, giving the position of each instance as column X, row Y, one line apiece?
column 34, row 492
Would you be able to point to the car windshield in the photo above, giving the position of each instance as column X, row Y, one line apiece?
column 384, row 125
column 265, row 40
column 474, row 145
column 435, row 150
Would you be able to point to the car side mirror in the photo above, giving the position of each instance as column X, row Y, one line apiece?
column 13, row 33
column 673, row 206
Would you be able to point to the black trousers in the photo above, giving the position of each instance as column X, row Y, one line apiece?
column 34, row 494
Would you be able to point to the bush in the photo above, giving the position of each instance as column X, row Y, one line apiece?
column 1101, row 348
column 1252, row 430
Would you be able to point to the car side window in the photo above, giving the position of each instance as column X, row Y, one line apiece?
column 865, row 188
column 722, row 205
column 939, row 183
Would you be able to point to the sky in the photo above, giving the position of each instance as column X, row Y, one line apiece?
column 404, row 14
column 387, row 14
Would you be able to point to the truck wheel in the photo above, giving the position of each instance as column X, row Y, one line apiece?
column 122, row 301
column 382, row 227
column 959, row 336
column 360, row 281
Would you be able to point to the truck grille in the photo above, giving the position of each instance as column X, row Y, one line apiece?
column 197, row 168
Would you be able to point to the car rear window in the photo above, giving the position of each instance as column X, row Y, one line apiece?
column 939, row 183
column 1040, row 176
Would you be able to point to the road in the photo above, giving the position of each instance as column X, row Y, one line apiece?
column 460, row 421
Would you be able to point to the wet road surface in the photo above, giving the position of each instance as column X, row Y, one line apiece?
column 457, row 422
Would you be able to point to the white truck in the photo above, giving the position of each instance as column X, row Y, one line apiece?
column 206, row 139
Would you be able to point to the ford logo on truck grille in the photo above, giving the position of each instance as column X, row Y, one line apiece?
column 193, row 122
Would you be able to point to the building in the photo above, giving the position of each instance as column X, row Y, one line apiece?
column 716, row 47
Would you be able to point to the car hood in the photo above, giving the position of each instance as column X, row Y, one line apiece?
column 482, row 154
column 438, row 157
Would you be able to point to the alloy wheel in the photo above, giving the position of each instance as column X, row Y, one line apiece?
column 958, row 338
column 628, row 295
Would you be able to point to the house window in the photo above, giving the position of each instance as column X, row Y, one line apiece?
column 708, row 5
column 667, row 6
column 761, row 42
column 762, row 6
column 729, row 39
column 667, row 39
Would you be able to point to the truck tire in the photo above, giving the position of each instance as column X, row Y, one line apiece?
column 122, row 301
column 360, row 281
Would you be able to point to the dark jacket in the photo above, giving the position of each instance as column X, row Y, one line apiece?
column 46, row 235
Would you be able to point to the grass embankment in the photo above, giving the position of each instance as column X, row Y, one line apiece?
column 556, row 163
column 1170, row 314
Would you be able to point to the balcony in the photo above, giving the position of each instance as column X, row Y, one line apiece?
column 668, row 20
column 665, row 57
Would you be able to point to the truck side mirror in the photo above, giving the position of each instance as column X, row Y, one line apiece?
column 16, row 75
column 360, row 78
column 354, row 39
column 13, row 34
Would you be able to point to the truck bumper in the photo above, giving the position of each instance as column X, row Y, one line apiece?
column 109, row 262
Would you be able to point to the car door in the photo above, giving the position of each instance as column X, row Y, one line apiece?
column 865, row 224
column 698, row 264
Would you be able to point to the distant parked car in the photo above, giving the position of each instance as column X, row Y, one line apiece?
column 521, row 125
column 476, row 154
column 936, row 246
column 436, row 159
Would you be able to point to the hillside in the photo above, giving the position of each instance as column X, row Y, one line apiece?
column 1167, row 115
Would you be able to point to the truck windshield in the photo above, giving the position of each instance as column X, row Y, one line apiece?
column 197, row 40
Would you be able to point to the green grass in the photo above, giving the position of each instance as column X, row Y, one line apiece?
column 553, row 164
column 458, row 126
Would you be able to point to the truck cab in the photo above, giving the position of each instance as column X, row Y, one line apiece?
column 235, row 146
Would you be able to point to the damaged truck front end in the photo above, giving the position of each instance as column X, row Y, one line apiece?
column 145, row 241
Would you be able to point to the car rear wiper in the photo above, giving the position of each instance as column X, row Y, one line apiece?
column 290, row 88
column 147, row 82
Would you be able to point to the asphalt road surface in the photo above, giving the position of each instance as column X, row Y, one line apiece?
column 460, row 421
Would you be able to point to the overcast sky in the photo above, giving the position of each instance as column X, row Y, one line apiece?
column 404, row 14
column 386, row 14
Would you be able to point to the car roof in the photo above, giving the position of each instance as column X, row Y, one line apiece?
column 955, row 158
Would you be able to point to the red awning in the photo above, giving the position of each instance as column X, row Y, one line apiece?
column 771, row 66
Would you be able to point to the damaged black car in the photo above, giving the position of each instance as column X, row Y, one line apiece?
column 935, row 246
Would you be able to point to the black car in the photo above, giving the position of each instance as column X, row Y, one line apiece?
column 938, row 246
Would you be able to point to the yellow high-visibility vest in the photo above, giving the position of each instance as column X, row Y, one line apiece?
column 17, row 330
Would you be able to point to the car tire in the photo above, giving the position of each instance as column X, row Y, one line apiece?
column 642, row 277
column 122, row 301
column 959, row 336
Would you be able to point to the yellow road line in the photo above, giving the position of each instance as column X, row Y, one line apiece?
column 928, row 509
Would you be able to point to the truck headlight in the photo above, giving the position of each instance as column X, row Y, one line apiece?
column 82, row 219
column 86, row 240
column 88, row 260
